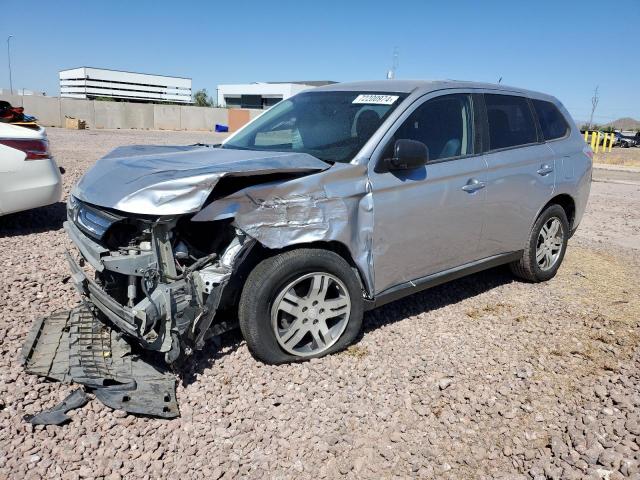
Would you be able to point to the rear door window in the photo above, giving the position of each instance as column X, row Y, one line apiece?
column 552, row 122
column 510, row 121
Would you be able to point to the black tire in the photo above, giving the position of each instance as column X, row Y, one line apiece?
column 272, row 275
column 527, row 268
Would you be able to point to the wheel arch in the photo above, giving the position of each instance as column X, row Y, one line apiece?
column 567, row 203
column 334, row 246
column 260, row 253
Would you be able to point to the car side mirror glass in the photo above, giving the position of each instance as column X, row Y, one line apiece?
column 407, row 155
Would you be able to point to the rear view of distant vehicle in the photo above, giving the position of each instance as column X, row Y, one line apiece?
column 29, row 176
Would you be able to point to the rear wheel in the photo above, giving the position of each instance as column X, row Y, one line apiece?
column 546, row 247
column 300, row 304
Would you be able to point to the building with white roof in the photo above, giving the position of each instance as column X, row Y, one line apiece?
column 91, row 83
column 262, row 95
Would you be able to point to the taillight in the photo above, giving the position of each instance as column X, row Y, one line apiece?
column 35, row 149
column 588, row 152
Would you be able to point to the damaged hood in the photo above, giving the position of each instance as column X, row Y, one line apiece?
column 173, row 180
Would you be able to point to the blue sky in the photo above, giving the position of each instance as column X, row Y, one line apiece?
column 558, row 47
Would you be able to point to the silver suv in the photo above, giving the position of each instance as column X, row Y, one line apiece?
column 334, row 201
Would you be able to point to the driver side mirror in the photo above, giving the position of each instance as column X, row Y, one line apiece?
column 407, row 155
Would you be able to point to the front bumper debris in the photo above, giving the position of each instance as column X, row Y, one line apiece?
column 58, row 414
column 125, row 318
column 76, row 346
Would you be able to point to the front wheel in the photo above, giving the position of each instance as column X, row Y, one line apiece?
column 300, row 304
column 546, row 247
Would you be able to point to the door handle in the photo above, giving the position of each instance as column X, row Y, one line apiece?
column 473, row 185
column 545, row 170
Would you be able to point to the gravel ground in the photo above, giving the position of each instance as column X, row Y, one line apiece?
column 485, row 377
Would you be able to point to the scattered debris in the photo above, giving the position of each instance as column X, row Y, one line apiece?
column 74, row 123
column 75, row 346
column 15, row 115
column 57, row 415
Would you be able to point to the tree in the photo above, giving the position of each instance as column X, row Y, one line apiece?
column 589, row 127
column 202, row 99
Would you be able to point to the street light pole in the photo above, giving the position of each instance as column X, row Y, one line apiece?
column 9, row 56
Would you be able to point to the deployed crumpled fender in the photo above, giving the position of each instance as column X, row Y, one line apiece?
column 335, row 205
column 175, row 180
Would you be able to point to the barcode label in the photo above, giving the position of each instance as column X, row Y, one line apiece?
column 376, row 99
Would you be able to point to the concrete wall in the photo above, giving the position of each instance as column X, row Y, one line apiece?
column 15, row 100
column 166, row 117
column 82, row 109
column 110, row 115
column 48, row 109
column 139, row 115
column 51, row 112
column 194, row 118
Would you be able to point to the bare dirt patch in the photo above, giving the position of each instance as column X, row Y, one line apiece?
column 620, row 156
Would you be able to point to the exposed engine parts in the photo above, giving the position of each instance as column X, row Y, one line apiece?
column 159, row 291
column 166, row 280
column 163, row 289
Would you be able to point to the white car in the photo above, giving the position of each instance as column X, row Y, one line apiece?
column 29, row 176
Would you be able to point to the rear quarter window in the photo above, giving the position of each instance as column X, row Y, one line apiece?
column 510, row 121
column 552, row 122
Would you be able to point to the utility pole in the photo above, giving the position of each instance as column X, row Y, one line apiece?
column 594, row 103
column 9, row 56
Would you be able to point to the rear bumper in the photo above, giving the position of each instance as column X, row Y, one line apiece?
column 36, row 184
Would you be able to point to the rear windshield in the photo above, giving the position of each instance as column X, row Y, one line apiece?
column 331, row 126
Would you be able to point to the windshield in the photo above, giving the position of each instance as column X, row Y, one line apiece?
column 331, row 126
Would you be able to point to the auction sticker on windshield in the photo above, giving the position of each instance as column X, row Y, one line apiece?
column 376, row 99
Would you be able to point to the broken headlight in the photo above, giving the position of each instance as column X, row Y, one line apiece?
column 92, row 221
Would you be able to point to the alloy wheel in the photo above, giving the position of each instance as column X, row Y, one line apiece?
column 550, row 241
column 310, row 313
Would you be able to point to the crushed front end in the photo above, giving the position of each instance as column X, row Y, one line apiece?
column 158, row 280
column 163, row 238
column 152, row 289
